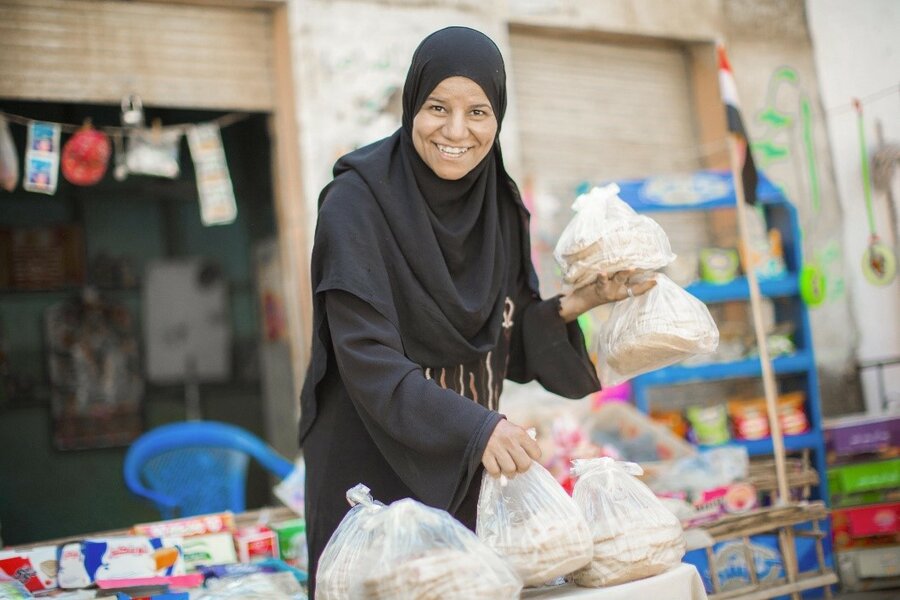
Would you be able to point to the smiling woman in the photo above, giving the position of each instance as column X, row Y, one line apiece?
column 455, row 128
column 426, row 300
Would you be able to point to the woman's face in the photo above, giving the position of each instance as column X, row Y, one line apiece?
column 455, row 128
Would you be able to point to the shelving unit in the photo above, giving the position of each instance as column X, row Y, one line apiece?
column 707, row 191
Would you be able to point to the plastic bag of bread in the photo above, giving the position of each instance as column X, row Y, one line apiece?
column 634, row 535
column 422, row 553
column 654, row 330
column 606, row 236
column 340, row 558
column 533, row 523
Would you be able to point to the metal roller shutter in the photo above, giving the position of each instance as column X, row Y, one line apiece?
column 592, row 110
column 97, row 51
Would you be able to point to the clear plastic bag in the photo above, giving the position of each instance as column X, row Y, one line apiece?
column 654, row 330
column 606, row 236
column 258, row 586
column 341, row 557
column 154, row 152
column 422, row 553
column 531, row 522
column 9, row 159
column 634, row 535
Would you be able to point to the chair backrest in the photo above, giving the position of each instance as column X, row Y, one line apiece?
column 197, row 467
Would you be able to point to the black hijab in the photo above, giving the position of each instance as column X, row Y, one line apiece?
column 427, row 253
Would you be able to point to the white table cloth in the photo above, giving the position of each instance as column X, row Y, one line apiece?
column 681, row 583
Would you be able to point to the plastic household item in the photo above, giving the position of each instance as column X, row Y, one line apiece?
column 634, row 429
column 533, row 523
column 197, row 467
column 635, row 535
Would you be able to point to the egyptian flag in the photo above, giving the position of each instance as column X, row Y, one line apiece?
column 728, row 90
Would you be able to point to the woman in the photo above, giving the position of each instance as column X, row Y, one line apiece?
column 425, row 299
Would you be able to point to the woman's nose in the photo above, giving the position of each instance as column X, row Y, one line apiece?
column 455, row 126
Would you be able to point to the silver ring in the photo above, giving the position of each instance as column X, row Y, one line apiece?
column 628, row 291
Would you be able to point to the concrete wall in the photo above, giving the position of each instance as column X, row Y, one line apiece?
column 348, row 95
column 857, row 54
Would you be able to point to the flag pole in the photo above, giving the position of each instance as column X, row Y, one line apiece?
column 735, row 150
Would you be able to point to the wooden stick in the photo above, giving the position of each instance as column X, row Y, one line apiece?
column 734, row 151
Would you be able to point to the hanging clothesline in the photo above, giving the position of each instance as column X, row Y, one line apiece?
column 883, row 93
column 222, row 122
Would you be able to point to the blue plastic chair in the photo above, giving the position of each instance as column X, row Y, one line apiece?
column 197, row 467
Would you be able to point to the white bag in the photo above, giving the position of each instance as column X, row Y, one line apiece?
column 340, row 558
column 634, row 535
column 531, row 522
column 422, row 553
column 654, row 330
column 607, row 236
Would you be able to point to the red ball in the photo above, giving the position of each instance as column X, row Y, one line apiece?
column 85, row 156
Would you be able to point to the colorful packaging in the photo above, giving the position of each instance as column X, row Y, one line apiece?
column 36, row 569
column 751, row 421
column 199, row 525
column 211, row 549
column 89, row 561
column 709, row 424
column 256, row 542
column 292, row 542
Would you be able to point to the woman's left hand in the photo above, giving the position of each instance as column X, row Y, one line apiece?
column 604, row 289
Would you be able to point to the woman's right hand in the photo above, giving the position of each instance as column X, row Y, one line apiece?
column 509, row 450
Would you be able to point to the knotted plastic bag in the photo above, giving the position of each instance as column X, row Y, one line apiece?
column 654, row 330
column 606, row 236
column 634, row 535
column 531, row 522
column 422, row 553
column 341, row 556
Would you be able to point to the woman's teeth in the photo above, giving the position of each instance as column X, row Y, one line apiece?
column 452, row 151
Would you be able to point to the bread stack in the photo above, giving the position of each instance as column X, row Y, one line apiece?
column 664, row 326
column 341, row 557
column 439, row 574
column 634, row 535
column 607, row 236
column 422, row 553
column 532, row 523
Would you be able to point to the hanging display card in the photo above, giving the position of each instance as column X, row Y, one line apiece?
column 217, row 205
column 42, row 157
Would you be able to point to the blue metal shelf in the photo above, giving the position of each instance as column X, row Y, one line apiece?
column 739, row 289
column 798, row 362
column 763, row 447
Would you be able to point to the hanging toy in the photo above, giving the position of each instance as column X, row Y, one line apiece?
column 879, row 264
column 85, row 156
column 813, row 282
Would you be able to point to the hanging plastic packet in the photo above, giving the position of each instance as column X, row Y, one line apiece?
column 419, row 552
column 634, row 534
column 341, row 557
column 9, row 158
column 606, row 236
column 531, row 522
column 153, row 151
column 654, row 330
column 217, row 204
column 42, row 158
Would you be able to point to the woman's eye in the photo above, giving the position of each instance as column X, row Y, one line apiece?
column 437, row 108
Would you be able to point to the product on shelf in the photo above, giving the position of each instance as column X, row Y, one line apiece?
column 606, row 236
column 531, row 522
column 709, row 424
column 635, row 535
column 654, row 330
column 421, row 552
column 719, row 265
column 751, row 421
